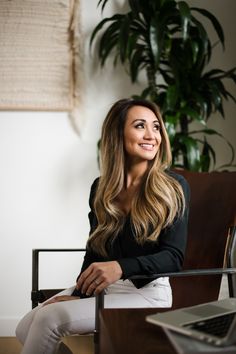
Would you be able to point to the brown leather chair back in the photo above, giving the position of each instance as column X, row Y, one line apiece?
column 212, row 213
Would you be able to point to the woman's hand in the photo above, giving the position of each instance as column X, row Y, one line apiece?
column 98, row 276
column 60, row 298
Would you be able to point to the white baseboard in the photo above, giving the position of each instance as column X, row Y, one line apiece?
column 8, row 326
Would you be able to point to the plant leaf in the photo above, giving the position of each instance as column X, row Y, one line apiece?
column 195, row 50
column 103, row 5
column 135, row 62
column 123, row 40
column 215, row 23
column 206, row 131
column 117, row 18
column 134, row 6
column 155, row 40
column 205, row 157
column 171, row 97
column 214, row 132
column 193, row 114
column 170, row 124
column 185, row 18
column 203, row 34
column 192, row 152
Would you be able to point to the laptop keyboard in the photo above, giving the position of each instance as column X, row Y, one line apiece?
column 217, row 326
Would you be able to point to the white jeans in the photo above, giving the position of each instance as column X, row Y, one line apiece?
column 41, row 330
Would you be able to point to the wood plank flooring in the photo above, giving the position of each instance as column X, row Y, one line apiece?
column 77, row 344
column 9, row 345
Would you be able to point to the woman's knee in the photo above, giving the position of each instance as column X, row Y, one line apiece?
column 21, row 333
column 43, row 317
column 53, row 320
column 48, row 318
column 23, row 326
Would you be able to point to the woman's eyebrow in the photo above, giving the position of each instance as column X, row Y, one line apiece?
column 139, row 119
column 144, row 120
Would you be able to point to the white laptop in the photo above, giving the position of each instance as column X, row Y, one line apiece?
column 212, row 322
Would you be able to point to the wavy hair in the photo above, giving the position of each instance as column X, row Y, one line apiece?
column 160, row 197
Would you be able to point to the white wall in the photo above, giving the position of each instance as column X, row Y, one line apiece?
column 224, row 12
column 47, row 169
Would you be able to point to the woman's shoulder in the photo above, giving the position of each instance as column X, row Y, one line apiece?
column 93, row 190
column 178, row 176
column 181, row 179
column 95, row 183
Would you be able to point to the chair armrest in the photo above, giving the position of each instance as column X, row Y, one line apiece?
column 188, row 272
column 184, row 273
column 35, row 293
column 194, row 272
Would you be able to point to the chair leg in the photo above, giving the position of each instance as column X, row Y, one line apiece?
column 231, row 261
column 98, row 307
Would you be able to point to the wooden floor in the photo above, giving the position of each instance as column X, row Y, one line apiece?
column 78, row 345
column 9, row 345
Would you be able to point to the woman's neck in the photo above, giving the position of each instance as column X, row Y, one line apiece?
column 134, row 175
column 133, row 178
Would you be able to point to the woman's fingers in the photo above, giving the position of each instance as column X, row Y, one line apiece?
column 100, row 288
column 96, row 287
column 90, row 284
column 98, row 276
column 87, row 278
column 84, row 277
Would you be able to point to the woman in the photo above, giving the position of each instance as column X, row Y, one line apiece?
column 138, row 219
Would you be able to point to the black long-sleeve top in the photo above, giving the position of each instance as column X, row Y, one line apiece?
column 166, row 254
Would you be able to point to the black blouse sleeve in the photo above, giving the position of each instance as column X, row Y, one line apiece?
column 90, row 256
column 171, row 247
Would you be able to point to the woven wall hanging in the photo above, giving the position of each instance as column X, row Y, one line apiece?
column 40, row 54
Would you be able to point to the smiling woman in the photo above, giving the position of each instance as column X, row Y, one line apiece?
column 142, row 136
column 138, row 220
column 158, row 198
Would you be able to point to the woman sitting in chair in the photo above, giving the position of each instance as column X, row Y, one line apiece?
column 138, row 219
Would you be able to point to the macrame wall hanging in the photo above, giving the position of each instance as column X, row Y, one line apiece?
column 40, row 55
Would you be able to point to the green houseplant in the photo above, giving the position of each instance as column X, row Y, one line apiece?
column 166, row 40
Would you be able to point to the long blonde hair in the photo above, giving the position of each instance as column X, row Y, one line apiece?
column 160, row 197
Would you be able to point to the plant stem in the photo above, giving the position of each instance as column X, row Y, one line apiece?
column 184, row 131
column 151, row 76
column 184, row 124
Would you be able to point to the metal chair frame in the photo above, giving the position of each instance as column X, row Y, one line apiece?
column 230, row 271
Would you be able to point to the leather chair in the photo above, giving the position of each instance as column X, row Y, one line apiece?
column 211, row 237
column 211, row 247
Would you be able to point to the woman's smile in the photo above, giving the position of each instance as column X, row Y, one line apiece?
column 142, row 136
column 148, row 147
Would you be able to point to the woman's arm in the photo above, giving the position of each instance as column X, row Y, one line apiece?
column 90, row 257
column 171, row 248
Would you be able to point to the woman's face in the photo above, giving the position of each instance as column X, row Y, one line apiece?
column 142, row 137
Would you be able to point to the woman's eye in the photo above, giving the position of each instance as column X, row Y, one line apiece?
column 157, row 127
column 139, row 125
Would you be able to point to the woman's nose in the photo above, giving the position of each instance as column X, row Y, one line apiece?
column 149, row 133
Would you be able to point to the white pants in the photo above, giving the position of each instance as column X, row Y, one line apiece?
column 41, row 330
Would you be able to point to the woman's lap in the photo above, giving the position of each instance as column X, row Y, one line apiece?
column 78, row 316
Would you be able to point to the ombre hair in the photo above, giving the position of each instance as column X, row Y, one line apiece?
column 160, row 197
